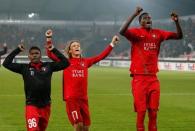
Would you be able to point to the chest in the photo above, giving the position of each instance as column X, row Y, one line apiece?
column 77, row 69
column 42, row 73
column 148, row 41
column 149, row 37
column 79, row 64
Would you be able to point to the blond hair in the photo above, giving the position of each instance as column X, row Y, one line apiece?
column 67, row 48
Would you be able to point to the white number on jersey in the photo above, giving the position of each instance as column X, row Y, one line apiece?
column 32, row 123
column 75, row 115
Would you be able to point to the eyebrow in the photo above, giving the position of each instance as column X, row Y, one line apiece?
column 35, row 52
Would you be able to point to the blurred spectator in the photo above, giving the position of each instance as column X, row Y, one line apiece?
column 95, row 37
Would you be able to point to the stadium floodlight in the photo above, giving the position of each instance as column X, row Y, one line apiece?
column 31, row 15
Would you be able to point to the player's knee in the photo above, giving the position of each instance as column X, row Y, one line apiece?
column 152, row 113
column 85, row 128
column 79, row 126
column 141, row 114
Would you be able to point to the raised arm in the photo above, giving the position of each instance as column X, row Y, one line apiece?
column 175, row 18
column 8, row 60
column 105, row 53
column 50, row 54
column 125, row 26
column 63, row 61
column 4, row 51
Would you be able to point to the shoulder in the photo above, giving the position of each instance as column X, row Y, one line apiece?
column 23, row 65
column 131, row 32
column 47, row 64
column 134, row 29
column 84, row 59
column 158, row 30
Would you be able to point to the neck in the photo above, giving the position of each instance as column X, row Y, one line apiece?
column 147, row 28
column 76, row 56
column 35, row 62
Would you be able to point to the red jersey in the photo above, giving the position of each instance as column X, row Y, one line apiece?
column 145, row 48
column 76, row 75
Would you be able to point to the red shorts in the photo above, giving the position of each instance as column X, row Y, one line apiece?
column 78, row 111
column 146, row 92
column 37, row 118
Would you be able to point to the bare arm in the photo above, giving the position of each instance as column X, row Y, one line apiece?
column 125, row 26
column 49, row 44
column 175, row 18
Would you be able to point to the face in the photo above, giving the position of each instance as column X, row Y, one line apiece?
column 146, row 21
column 75, row 50
column 34, row 56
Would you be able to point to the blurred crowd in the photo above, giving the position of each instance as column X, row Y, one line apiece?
column 95, row 37
column 179, row 48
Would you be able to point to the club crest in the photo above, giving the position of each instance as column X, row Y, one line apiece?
column 44, row 69
column 153, row 35
column 82, row 64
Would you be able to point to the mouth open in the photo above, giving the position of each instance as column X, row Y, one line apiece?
column 148, row 23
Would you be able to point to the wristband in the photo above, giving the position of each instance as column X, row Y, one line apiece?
column 111, row 44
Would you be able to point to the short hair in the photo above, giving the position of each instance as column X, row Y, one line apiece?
column 34, row 48
column 140, row 17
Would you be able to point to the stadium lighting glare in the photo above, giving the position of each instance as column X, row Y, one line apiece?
column 105, row 39
column 31, row 15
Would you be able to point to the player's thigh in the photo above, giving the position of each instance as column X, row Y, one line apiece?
column 154, row 95
column 85, row 113
column 73, row 111
column 45, row 115
column 138, row 85
column 139, row 92
column 32, row 118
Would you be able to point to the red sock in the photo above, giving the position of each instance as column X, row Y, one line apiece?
column 152, row 125
column 140, row 120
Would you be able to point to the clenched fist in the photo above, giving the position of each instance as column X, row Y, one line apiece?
column 174, row 16
column 138, row 10
column 115, row 40
column 21, row 47
column 49, row 33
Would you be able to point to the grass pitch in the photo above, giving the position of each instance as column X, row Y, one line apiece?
column 110, row 101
